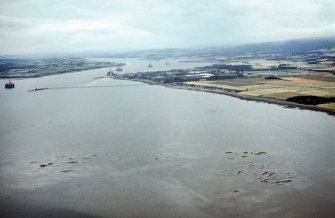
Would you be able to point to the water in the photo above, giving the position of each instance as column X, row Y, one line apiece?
column 139, row 65
column 125, row 149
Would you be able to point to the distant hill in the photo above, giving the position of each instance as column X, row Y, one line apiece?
column 291, row 47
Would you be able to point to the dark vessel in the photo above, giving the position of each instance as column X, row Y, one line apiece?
column 119, row 69
column 9, row 85
column 150, row 65
column 110, row 73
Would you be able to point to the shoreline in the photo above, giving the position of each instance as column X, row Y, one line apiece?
column 231, row 93
column 286, row 104
column 51, row 74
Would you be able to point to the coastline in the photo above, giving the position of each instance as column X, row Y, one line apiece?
column 214, row 90
column 50, row 74
column 231, row 93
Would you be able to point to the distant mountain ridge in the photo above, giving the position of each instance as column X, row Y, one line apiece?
column 290, row 47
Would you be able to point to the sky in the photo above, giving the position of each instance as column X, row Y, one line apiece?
column 65, row 26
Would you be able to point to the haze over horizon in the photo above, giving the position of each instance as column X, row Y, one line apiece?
column 56, row 26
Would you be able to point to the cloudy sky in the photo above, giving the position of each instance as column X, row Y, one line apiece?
column 56, row 26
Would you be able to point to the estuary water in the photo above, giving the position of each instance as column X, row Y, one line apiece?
column 90, row 147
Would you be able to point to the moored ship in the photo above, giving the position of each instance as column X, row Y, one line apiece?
column 9, row 85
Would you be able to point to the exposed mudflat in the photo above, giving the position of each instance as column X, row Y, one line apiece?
column 181, row 180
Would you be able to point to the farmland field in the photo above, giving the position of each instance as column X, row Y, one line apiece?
column 317, row 85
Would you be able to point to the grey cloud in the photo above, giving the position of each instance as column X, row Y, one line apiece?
column 133, row 24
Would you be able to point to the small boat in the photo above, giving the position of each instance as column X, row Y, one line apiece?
column 9, row 85
column 119, row 69
column 150, row 65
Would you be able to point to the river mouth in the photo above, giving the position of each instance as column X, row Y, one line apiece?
column 125, row 150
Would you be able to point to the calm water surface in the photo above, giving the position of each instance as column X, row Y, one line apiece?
column 126, row 149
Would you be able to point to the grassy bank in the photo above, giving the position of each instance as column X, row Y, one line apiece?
column 321, row 86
